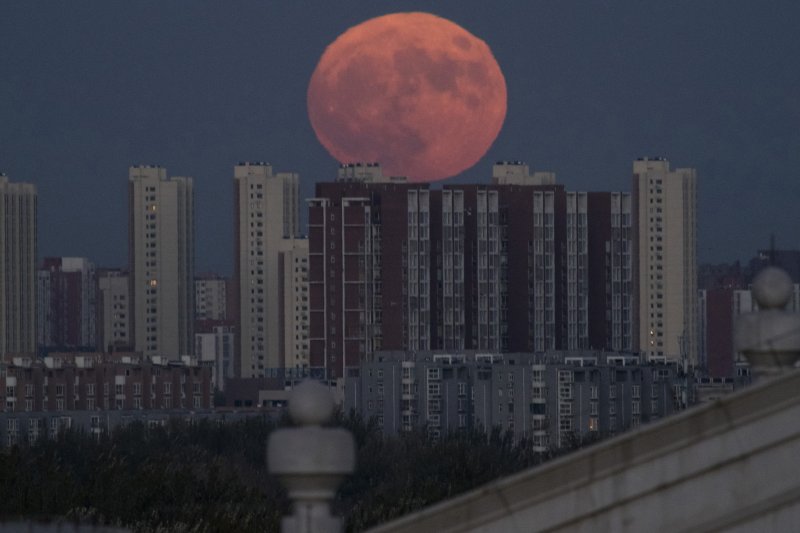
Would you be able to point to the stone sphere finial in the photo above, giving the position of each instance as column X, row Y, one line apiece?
column 311, row 404
column 772, row 288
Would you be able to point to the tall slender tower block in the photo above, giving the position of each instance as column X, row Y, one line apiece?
column 265, row 224
column 161, row 252
column 665, row 211
column 18, row 204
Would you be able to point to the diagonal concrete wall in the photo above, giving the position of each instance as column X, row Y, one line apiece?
column 728, row 466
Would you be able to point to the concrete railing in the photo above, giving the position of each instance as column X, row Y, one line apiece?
column 770, row 337
column 310, row 460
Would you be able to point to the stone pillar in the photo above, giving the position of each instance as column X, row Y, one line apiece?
column 310, row 460
column 770, row 337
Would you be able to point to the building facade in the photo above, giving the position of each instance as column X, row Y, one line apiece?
column 210, row 297
column 665, row 251
column 113, row 311
column 552, row 400
column 161, row 255
column 516, row 265
column 265, row 225
column 293, row 317
column 66, row 304
column 216, row 347
column 97, row 382
column 18, row 245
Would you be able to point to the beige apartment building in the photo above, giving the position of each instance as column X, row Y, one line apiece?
column 266, row 226
column 18, row 204
column 161, row 252
column 665, row 245
column 294, row 311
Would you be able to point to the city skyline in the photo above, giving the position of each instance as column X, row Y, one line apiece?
column 196, row 89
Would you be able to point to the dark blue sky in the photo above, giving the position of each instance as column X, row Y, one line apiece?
column 88, row 88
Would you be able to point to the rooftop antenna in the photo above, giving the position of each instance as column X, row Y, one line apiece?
column 772, row 249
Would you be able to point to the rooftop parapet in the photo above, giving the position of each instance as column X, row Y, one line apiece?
column 518, row 173
column 366, row 173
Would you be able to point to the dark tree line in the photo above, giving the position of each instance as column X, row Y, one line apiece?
column 208, row 477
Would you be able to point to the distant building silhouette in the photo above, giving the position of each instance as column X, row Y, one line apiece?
column 18, row 240
column 788, row 260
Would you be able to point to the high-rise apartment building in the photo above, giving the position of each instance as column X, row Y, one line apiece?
column 265, row 225
column 18, row 240
column 598, row 271
column 665, row 251
column 161, row 252
column 66, row 308
column 113, row 311
column 507, row 266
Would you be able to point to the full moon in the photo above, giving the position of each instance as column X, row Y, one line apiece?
column 415, row 92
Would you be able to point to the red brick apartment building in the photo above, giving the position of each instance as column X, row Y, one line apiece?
column 520, row 264
column 96, row 382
